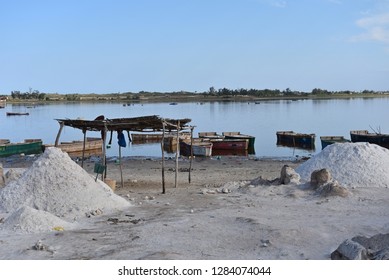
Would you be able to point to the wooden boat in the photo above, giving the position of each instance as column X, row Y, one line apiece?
column 294, row 139
column 238, row 135
column 230, row 144
column 199, row 147
column 144, row 138
column 76, row 147
column 210, row 135
column 28, row 147
column 328, row 140
column 373, row 138
column 17, row 113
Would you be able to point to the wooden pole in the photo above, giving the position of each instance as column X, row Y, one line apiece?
column 104, row 160
column 191, row 153
column 163, row 157
column 177, row 151
column 61, row 125
column 120, row 165
column 83, row 148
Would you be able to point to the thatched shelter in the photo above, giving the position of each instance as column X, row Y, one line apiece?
column 140, row 124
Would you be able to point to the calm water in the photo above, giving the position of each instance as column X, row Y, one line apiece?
column 322, row 117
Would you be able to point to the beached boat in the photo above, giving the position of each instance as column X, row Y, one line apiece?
column 238, row 135
column 210, row 135
column 29, row 146
column 17, row 113
column 199, row 147
column 294, row 139
column 230, row 144
column 328, row 140
column 92, row 146
column 373, row 138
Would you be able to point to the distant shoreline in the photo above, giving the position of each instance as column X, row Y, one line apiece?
column 166, row 98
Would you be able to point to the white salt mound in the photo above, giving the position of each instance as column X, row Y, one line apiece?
column 29, row 220
column 57, row 185
column 351, row 164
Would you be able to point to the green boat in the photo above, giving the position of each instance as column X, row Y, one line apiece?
column 328, row 140
column 29, row 146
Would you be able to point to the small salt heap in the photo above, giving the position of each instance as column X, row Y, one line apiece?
column 55, row 184
column 27, row 219
column 351, row 164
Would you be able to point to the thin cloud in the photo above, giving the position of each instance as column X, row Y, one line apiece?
column 376, row 28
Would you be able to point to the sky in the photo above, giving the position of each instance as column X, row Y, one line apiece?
column 111, row 46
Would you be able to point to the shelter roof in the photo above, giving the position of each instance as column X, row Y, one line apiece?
column 143, row 124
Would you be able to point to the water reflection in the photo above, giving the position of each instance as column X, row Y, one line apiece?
column 322, row 117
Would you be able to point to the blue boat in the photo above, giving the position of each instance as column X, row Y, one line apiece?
column 328, row 140
column 296, row 140
column 373, row 138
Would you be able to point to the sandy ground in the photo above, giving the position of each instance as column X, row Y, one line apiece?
column 226, row 212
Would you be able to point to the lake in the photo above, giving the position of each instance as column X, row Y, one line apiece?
column 323, row 117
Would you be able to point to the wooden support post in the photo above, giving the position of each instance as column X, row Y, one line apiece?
column 120, row 166
column 61, row 125
column 163, row 157
column 104, row 159
column 83, row 148
column 177, row 152
column 191, row 153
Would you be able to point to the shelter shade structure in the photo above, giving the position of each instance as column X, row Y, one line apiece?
column 140, row 124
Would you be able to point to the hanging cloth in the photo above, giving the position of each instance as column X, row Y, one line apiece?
column 121, row 139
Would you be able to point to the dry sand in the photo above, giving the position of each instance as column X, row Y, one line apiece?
column 226, row 212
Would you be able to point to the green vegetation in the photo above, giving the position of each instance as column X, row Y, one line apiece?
column 211, row 95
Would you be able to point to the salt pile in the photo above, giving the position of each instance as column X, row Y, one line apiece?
column 57, row 185
column 351, row 164
column 27, row 219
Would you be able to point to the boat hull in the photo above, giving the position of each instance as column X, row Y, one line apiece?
column 373, row 138
column 139, row 138
column 27, row 147
column 93, row 146
column 17, row 114
column 199, row 149
column 329, row 140
column 293, row 139
column 239, row 136
column 230, row 144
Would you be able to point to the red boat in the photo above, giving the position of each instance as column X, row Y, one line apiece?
column 230, row 144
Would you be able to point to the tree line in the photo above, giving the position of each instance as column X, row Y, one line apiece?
column 222, row 92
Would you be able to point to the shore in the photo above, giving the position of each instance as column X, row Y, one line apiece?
column 230, row 210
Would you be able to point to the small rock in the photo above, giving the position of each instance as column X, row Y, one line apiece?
column 225, row 190
column 320, row 177
column 289, row 176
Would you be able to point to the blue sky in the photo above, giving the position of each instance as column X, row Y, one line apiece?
column 84, row 46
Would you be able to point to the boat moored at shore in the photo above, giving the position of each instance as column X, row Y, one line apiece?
column 373, row 138
column 295, row 139
column 28, row 147
column 328, row 140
